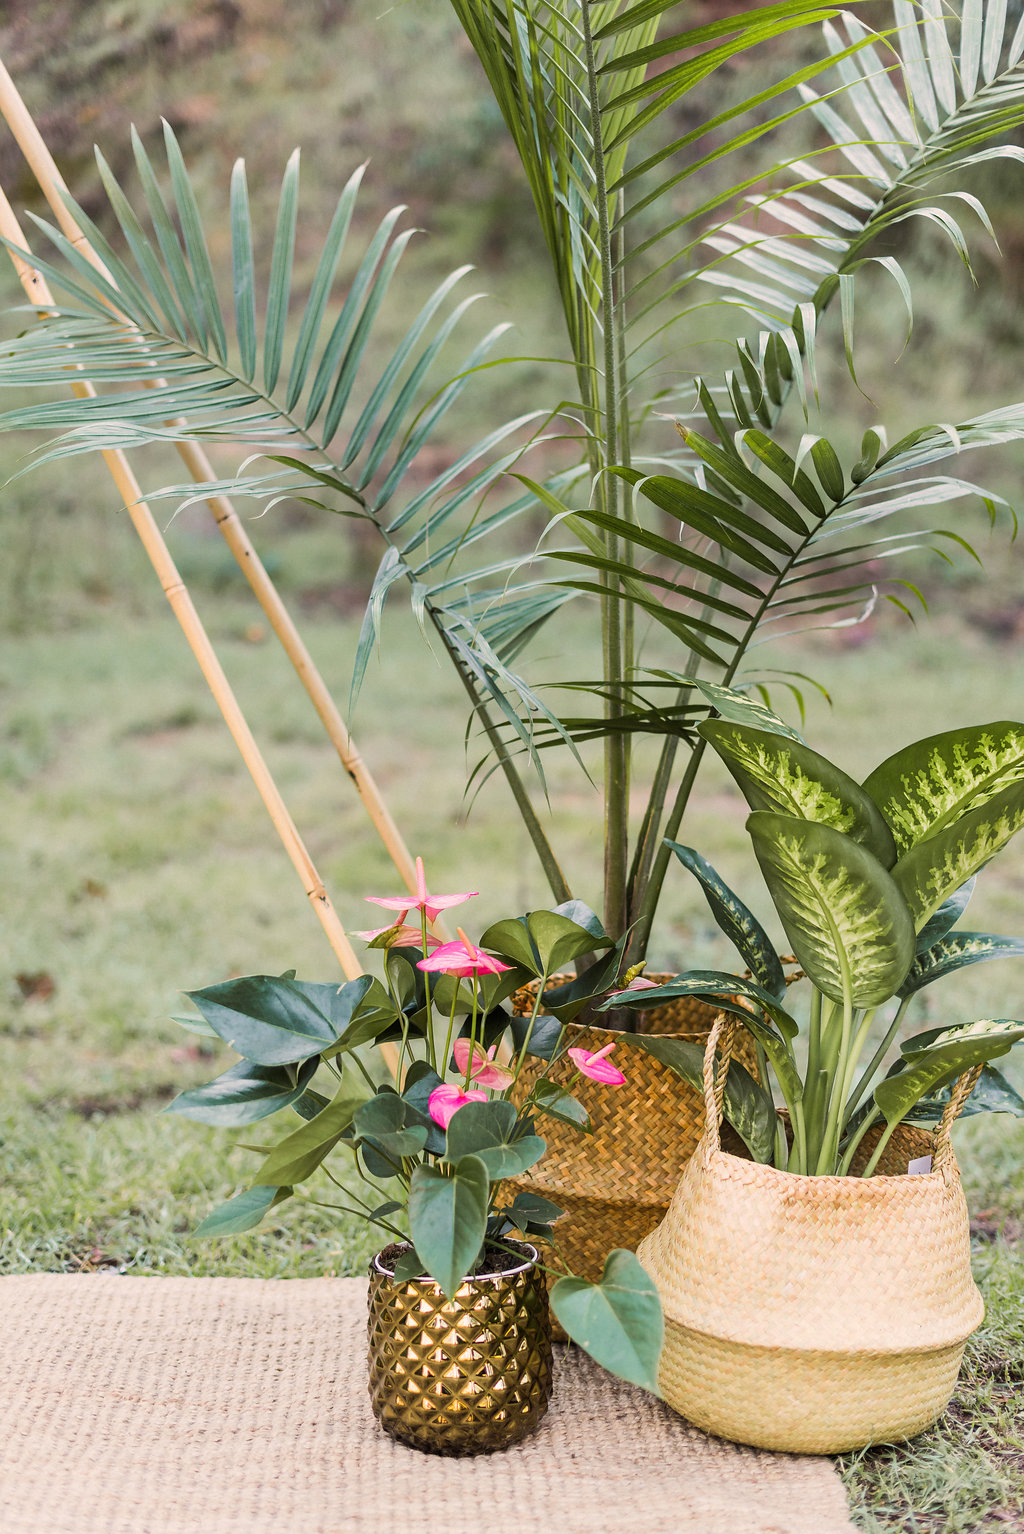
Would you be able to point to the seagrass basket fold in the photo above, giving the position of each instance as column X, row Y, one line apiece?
column 814, row 1314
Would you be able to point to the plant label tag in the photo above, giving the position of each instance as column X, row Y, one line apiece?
column 922, row 1164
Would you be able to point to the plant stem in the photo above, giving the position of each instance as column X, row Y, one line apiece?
column 616, row 660
column 876, row 1060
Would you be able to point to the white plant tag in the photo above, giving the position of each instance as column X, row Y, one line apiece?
column 922, row 1164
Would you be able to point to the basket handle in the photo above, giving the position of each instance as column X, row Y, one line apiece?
column 962, row 1089
column 723, row 1031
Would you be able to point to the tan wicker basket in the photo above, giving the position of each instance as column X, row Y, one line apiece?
column 814, row 1314
column 615, row 1184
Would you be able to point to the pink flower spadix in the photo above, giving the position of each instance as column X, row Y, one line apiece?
column 429, row 904
column 462, row 959
column 399, row 936
column 446, row 1100
column 483, row 1072
column 596, row 1066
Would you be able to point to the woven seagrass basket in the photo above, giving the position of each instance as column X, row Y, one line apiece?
column 616, row 1183
column 814, row 1314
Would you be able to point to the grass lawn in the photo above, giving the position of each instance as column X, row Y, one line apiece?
column 137, row 861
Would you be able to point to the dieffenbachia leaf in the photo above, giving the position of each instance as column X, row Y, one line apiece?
column 789, row 778
column 245, row 1093
column 946, row 917
column 714, row 985
column 739, row 924
column 926, row 787
column 618, row 1321
column 748, row 1107
column 948, row 1053
column 448, row 1217
column 956, row 951
column 843, row 913
column 933, row 869
column 993, row 1094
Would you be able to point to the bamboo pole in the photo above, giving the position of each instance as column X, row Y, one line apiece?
column 181, row 603
column 52, row 184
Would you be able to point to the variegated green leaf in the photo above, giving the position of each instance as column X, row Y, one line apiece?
column 950, row 1052
column 843, row 913
column 788, row 777
column 956, row 951
column 993, row 1094
column 740, row 925
column 930, row 872
column 946, row 917
column 928, row 785
column 742, row 708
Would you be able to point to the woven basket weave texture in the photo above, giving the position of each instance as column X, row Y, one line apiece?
column 814, row 1314
column 616, row 1183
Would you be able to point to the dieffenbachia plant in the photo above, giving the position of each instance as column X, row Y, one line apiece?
column 649, row 208
column 428, row 1156
column 869, row 882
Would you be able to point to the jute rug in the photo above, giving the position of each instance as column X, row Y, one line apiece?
column 239, row 1406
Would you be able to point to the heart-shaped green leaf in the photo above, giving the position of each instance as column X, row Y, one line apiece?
column 740, row 925
column 511, row 940
column 618, row 1321
column 301, row 1152
column 245, row 1093
column 956, row 951
column 531, row 1209
column 935, row 868
column 243, row 1212
column 268, row 1020
column 843, row 913
column 787, row 777
column 392, row 1125
column 748, row 1106
column 926, row 787
column 448, row 1217
column 488, row 1130
column 559, row 940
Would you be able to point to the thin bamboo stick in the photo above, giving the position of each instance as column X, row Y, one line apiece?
column 181, row 603
column 52, row 184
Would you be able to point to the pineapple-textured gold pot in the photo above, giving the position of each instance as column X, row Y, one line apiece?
column 467, row 1375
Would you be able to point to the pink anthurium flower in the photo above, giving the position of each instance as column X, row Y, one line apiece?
column 399, row 936
column 638, row 983
column 429, row 904
column 446, row 1100
column 462, row 959
column 597, row 1067
column 483, row 1072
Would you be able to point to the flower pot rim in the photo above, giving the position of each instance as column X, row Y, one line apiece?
column 470, row 1278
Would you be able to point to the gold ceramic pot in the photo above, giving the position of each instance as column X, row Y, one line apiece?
column 467, row 1375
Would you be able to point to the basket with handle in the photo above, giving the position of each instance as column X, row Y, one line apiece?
column 814, row 1314
column 615, row 1183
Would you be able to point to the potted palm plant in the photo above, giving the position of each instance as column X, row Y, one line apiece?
column 459, row 1331
column 699, row 507
column 818, row 1290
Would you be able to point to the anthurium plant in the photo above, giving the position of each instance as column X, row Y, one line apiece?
column 869, row 882
column 427, row 1153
